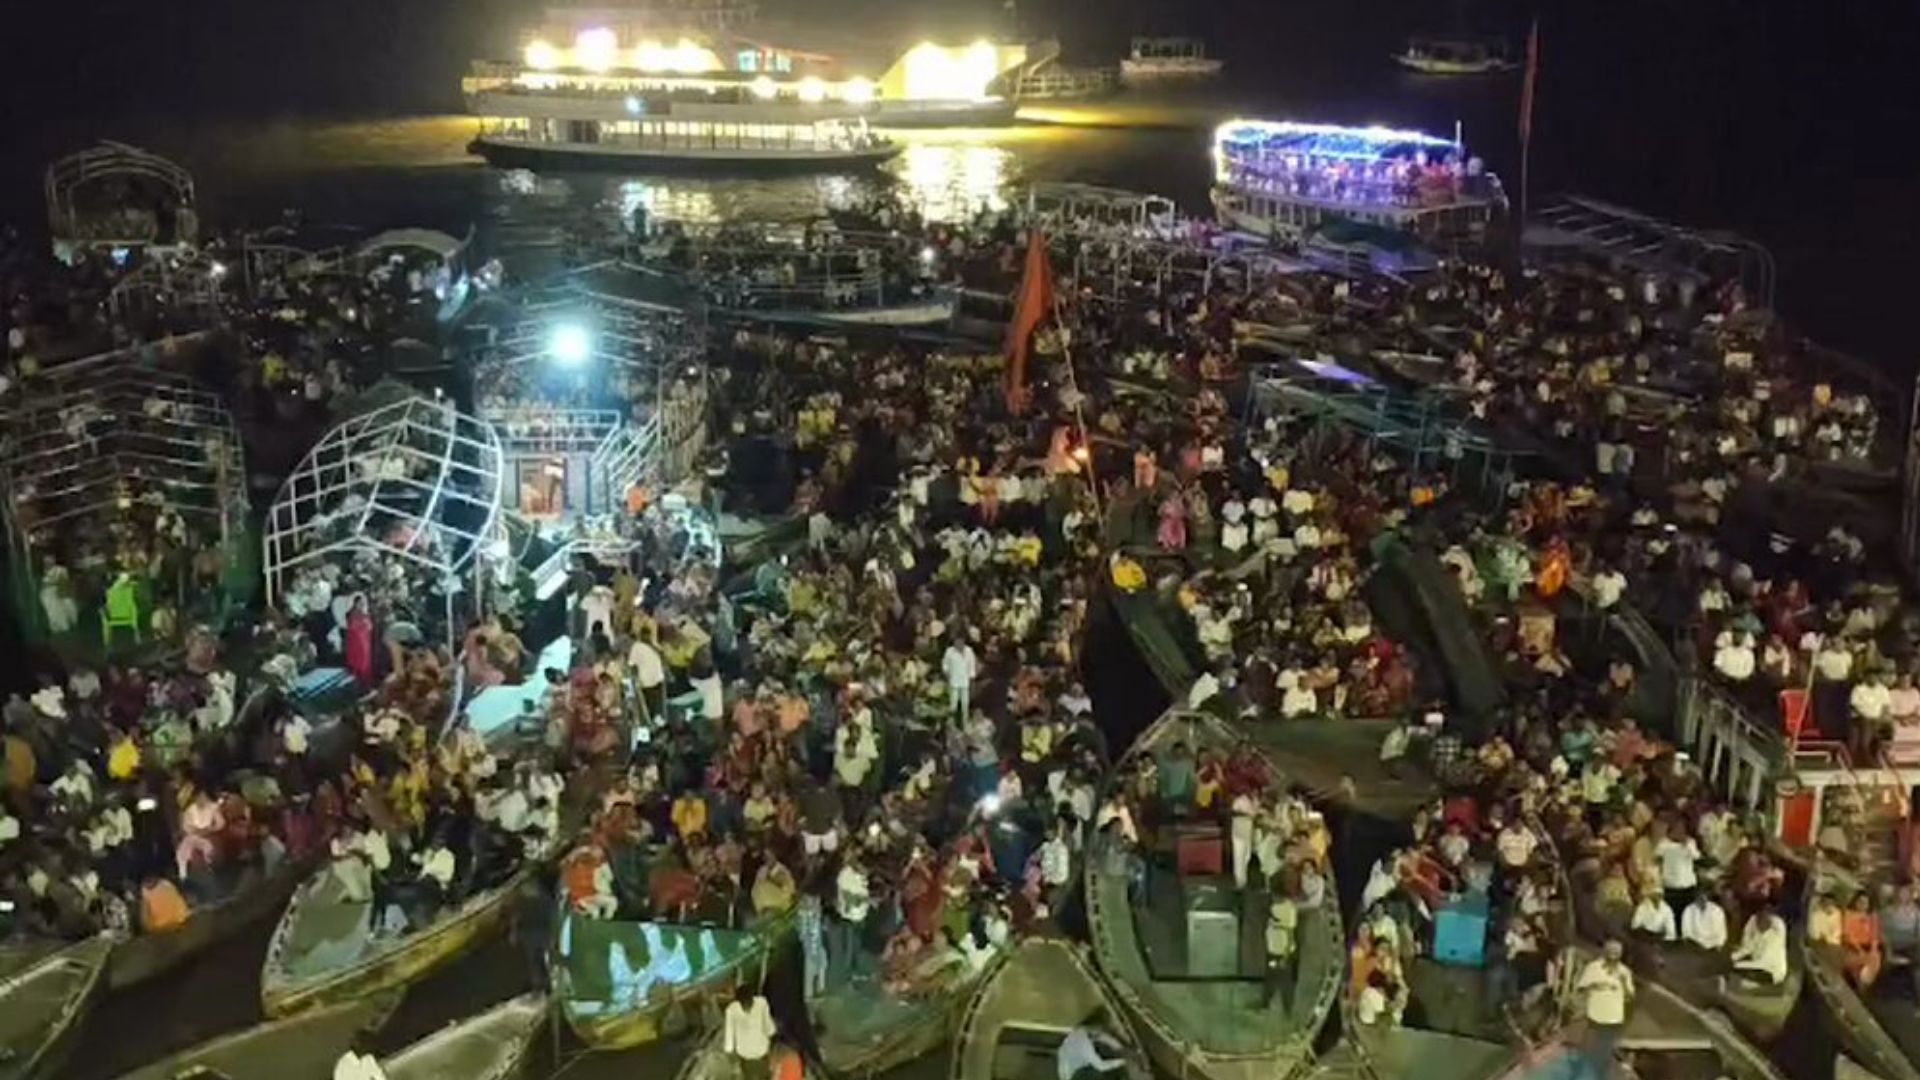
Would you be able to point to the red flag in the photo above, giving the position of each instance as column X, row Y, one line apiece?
column 1035, row 304
column 1526, row 87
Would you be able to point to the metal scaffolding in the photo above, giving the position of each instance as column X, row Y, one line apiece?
column 114, row 465
column 414, row 481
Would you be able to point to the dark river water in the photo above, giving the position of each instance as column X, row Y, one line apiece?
column 1793, row 122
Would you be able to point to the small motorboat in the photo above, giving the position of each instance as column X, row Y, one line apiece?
column 1029, row 999
column 304, row 1047
column 1454, row 56
column 45, row 996
column 490, row 1046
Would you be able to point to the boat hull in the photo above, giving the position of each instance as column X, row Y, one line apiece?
column 81, row 968
column 304, row 1047
column 1136, row 73
column 584, row 157
column 150, row 956
column 1039, row 984
column 1429, row 66
column 414, row 958
column 504, row 1036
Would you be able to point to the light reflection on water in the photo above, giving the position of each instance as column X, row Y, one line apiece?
column 416, row 170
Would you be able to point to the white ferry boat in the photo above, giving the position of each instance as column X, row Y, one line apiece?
column 1153, row 61
column 1455, row 56
column 612, row 97
column 1283, row 179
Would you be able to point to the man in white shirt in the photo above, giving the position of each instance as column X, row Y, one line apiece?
column 1516, row 843
column 961, row 667
column 1762, row 954
column 748, row 1033
column 1704, row 924
column 1654, row 918
column 1608, row 586
column 358, row 1063
column 1606, row 987
column 1056, row 858
column 1733, row 656
column 649, row 672
column 1677, row 855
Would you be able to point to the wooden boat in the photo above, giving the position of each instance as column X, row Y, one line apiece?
column 303, row 1047
column 624, row 983
column 1661, row 1022
column 862, row 1030
column 491, row 1046
column 1195, row 1019
column 147, row 956
column 324, row 951
column 1459, row 1042
column 1028, row 999
column 44, row 999
column 1862, row 1029
column 1693, row 977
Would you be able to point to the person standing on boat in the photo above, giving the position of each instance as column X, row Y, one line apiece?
column 358, row 1063
column 1606, row 987
column 748, row 1033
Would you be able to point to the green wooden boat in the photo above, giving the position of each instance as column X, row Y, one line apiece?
column 1880, row 1039
column 304, row 1047
column 44, row 999
column 1198, row 1013
column 625, row 983
column 862, row 1030
column 324, row 951
column 1028, row 999
column 490, row 1046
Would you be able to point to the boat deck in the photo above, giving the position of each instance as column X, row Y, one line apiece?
column 859, row 1017
column 1432, row 1055
column 1208, row 986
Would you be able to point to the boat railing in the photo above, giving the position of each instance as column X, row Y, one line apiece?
column 1055, row 82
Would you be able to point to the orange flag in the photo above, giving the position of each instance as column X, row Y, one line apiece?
column 1035, row 304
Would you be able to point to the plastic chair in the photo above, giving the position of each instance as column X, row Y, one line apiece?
column 121, row 611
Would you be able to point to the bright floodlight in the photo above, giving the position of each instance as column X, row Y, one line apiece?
column 764, row 88
column 596, row 49
column 812, row 90
column 857, row 91
column 570, row 344
column 542, row 56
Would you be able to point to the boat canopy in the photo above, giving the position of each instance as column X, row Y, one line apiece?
column 614, row 968
column 1326, row 141
column 414, row 481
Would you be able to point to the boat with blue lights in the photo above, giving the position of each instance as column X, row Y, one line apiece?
column 1284, row 180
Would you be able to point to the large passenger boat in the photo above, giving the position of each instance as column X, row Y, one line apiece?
column 1285, row 179
column 587, row 93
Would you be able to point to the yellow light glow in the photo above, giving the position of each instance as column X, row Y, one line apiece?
column 542, row 56
column 694, row 59
column 950, row 182
column 812, row 90
column 597, row 49
column 764, row 89
column 857, row 91
column 938, row 73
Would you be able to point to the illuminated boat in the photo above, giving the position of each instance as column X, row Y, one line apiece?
column 1029, row 999
column 1188, row 960
column 1284, row 180
column 44, row 998
column 1157, row 61
column 613, row 99
column 1454, row 56
column 625, row 983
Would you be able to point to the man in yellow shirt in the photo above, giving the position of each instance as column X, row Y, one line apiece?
column 123, row 758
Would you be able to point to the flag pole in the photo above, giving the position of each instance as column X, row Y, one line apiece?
column 1526, row 126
